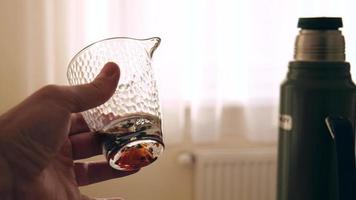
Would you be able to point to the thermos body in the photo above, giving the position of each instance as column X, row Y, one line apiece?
column 307, row 163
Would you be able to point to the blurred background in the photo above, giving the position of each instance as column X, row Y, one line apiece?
column 219, row 67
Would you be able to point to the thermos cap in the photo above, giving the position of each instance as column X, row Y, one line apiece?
column 320, row 23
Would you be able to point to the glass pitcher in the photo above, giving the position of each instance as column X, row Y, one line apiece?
column 129, row 123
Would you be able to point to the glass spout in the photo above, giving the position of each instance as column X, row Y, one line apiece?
column 151, row 45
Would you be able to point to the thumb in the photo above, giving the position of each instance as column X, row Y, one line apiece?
column 83, row 97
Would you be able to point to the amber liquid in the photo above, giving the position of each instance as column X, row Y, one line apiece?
column 133, row 141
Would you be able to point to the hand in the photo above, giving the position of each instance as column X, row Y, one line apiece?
column 41, row 137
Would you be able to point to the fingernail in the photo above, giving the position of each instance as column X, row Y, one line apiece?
column 109, row 70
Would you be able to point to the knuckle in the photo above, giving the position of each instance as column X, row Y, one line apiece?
column 50, row 91
column 52, row 95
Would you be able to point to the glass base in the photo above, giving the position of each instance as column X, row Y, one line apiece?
column 135, row 155
column 132, row 142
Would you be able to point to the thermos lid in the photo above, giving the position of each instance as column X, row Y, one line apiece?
column 320, row 23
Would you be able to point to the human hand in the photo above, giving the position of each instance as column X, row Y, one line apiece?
column 42, row 137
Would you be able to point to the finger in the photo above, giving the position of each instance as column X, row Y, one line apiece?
column 78, row 124
column 93, row 172
column 85, row 145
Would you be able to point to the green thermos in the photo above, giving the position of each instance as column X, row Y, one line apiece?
column 316, row 157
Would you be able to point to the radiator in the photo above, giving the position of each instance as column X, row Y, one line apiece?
column 248, row 174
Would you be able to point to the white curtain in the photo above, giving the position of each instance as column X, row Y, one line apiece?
column 33, row 47
column 219, row 65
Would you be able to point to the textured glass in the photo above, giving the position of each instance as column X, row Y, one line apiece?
column 129, row 123
column 137, row 90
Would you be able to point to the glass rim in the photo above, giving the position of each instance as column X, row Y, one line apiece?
column 158, row 39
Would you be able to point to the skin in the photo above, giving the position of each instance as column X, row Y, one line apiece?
column 41, row 138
